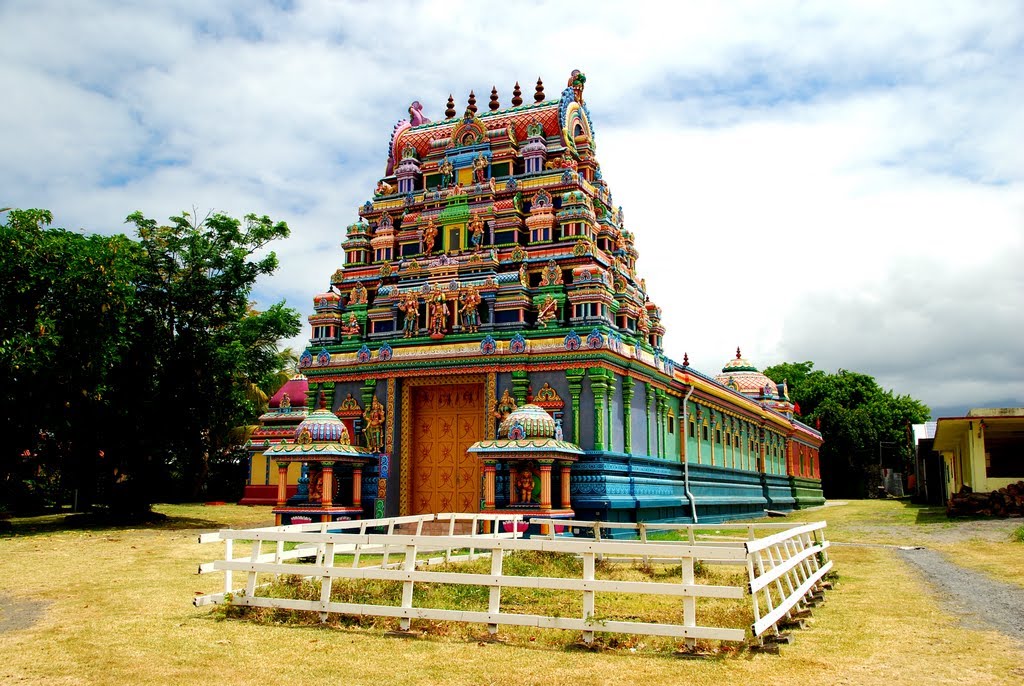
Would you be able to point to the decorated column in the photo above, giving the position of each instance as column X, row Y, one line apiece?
column 599, row 386
column 575, row 379
column 489, row 474
column 327, row 497
column 282, row 483
column 627, row 413
column 357, row 487
column 566, row 476
column 545, row 485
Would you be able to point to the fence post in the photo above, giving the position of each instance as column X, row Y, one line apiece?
column 325, row 580
column 250, row 586
column 410, row 565
column 494, row 599
column 387, row 546
column 358, row 546
column 588, row 596
column 229, row 547
column 643, row 539
column 689, row 601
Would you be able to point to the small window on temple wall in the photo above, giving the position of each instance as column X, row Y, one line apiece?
column 671, row 424
column 736, row 441
column 718, row 435
column 705, row 427
column 693, row 429
column 578, row 130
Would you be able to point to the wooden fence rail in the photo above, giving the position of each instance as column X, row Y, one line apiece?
column 784, row 569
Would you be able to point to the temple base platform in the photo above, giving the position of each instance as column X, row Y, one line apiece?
column 314, row 513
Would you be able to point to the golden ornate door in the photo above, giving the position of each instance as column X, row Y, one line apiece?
column 446, row 420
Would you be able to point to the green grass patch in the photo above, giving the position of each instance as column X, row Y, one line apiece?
column 1018, row 535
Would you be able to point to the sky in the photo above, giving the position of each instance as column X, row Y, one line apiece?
column 826, row 181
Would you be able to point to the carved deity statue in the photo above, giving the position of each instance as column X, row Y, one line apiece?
column 504, row 407
column 350, row 327
column 358, row 294
column 480, row 168
column 470, row 299
column 524, row 485
column 429, row 236
column 476, row 230
column 437, row 312
column 286, row 403
column 410, row 307
column 374, row 429
column 547, row 312
column 384, row 188
column 447, row 171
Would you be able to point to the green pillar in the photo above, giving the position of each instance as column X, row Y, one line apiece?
column 627, row 400
column 609, row 407
column 599, row 386
column 328, row 389
column 575, row 379
column 650, row 402
column 367, row 392
column 312, row 396
column 662, row 405
column 520, row 382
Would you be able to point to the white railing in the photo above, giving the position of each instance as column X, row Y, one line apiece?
column 784, row 570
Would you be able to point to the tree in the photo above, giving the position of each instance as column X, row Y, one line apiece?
column 210, row 343
column 66, row 315
column 857, row 419
column 125, row 363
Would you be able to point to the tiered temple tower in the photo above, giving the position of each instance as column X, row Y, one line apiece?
column 492, row 268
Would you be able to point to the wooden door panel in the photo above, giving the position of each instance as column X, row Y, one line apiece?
column 446, row 421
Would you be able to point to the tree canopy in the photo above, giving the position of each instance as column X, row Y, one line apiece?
column 864, row 426
column 129, row 361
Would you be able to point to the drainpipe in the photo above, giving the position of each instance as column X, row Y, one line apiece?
column 686, row 456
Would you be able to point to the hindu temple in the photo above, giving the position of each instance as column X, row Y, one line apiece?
column 490, row 275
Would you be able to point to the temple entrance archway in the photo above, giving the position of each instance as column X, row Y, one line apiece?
column 443, row 421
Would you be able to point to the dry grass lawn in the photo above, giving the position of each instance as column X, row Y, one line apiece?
column 119, row 612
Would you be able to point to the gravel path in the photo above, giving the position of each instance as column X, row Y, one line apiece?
column 981, row 602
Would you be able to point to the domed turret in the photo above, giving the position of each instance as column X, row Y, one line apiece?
column 322, row 426
column 529, row 421
column 291, row 396
column 743, row 377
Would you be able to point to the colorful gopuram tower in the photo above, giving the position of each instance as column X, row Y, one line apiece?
column 491, row 269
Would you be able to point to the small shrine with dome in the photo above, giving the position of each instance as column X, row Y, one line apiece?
column 536, row 460
column 488, row 331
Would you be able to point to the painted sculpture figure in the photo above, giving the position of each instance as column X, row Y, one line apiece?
column 470, row 314
column 374, row 430
column 411, row 309
column 438, row 306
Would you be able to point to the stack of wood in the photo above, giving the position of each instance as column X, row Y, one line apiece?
column 1006, row 502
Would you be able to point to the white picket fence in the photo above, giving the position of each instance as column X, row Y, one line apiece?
column 784, row 569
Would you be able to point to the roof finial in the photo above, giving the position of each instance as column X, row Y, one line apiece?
column 493, row 104
column 538, row 96
column 517, row 99
column 472, row 102
column 686, row 360
column 323, row 401
column 738, row 356
column 449, row 111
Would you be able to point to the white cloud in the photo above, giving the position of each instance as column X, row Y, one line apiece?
column 828, row 181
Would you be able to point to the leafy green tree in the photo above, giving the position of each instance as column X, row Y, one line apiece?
column 210, row 343
column 125, row 363
column 66, row 321
column 863, row 425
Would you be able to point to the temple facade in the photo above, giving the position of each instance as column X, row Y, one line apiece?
column 492, row 269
